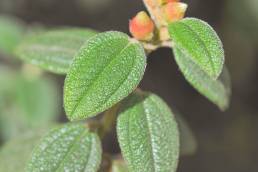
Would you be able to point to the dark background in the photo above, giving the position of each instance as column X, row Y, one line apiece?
column 227, row 141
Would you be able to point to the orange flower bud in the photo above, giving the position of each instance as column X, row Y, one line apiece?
column 163, row 2
column 141, row 26
column 174, row 11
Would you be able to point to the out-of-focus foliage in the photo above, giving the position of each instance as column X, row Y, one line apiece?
column 15, row 153
column 244, row 16
column 11, row 31
column 240, row 26
column 53, row 50
column 26, row 101
column 188, row 143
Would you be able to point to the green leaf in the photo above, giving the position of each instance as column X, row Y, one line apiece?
column 16, row 152
column 11, row 30
column 26, row 103
column 200, row 42
column 148, row 134
column 67, row 148
column 53, row 50
column 107, row 69
column 217, row 91
column 46, row 107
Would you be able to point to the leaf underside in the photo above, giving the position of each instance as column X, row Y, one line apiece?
column 11, row 30
column 217, row 91
column 148, row 134
column 107, row 69
column 68, row 148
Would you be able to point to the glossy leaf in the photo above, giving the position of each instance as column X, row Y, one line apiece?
column 200, row 42
column 15, row 153
column 148, row 134
column 107, row 69
column 67, row 148
column 11, row 30
column 217, row 91
column 53, row 50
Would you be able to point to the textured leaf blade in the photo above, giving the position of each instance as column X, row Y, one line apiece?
column 11, row 31
column 107, row 69
column 217, row 91
column 53, row 50
column 200, row 42
column 68, row 148
column 148, row 134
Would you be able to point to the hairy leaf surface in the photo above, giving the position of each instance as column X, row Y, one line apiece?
column 107, row 69
column 200, row 42
column 148, row 134
column 67, row 148
column 218, row 91
column 53, row 50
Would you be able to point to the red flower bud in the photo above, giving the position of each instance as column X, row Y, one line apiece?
column 174, row 11
column 141, row 26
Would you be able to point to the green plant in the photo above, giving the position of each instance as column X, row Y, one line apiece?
column 103, row 71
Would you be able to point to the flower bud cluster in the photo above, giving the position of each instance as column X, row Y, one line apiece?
column 142, row 26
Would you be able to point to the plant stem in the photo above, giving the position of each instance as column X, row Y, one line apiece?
column 107, row 122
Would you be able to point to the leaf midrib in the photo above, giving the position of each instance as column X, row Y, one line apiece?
column 121, row 83
column 97, row 77
column 204, row 45
column 149, row 135
column 71, row 148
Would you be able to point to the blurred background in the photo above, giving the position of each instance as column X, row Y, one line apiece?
column 226, row 141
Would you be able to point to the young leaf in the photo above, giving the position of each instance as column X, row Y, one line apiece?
column 11, row 31
column 53, row 50
column 107, row 69
column 217, row 91
column 148, row 134
column 201, row 43
column 68, row 148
